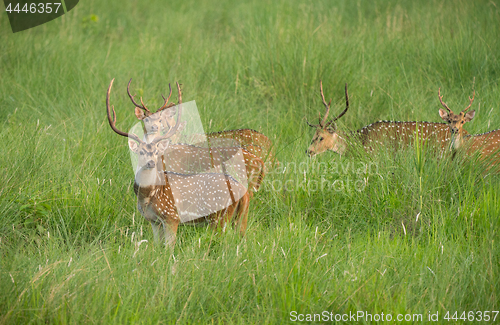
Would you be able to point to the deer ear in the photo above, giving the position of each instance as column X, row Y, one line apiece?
column 133, row 145
column 444, row 114
column 469, row 116
column 139, row 113
column 163, row 145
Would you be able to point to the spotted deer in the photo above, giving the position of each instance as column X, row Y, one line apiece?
column 187, row 158
column 487, row 144
column 456, row 121
column 398, row 134
column 184, row 158
column 167, row 199
column 164, row 118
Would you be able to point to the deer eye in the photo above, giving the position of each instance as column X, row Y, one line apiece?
column 141, row 153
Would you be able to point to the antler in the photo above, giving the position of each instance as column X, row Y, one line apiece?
column 441, row 100
column 449, row 110
column 344, row 111
column 470, row 101
column 173, row 130
column 143, row 107
column 322, row 123
column 166, row 100
column 112, row 121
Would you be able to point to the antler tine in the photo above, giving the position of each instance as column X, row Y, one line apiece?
column 166, row 100
column 311, row 125
column 322, row 123
column 173, row 130
column 112, row 121
column 344, row 111
column 179, row 91
column 441, row 100
column 346, row 105
column 132, row 98
column 470, row 101
column 144, row 106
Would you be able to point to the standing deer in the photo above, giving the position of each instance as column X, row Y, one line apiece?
column 186, row 158
column 488, row 144
column 400, row 134
column 163, row 119
column 167, row 199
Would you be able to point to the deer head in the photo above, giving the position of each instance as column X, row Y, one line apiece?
column 162, row 119
column 456, row 121
column 149, row 152
column 326, row 136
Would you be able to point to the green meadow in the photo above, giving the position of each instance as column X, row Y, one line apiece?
column 411, row 234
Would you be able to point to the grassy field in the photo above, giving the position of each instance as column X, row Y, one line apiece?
column 414, row 234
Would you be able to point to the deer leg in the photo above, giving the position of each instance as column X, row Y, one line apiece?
column 156, row 231
column 169, row 232
column 241, row 217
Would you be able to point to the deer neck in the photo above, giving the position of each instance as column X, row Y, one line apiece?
column 147, row 177
column 150, row 188
column 457, row 140
column 342, row 141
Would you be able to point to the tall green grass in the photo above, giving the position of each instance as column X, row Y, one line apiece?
column 415, row 233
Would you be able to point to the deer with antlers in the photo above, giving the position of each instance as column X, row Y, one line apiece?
column 184, row 157
column 251, row 140
column 400, row 134
column 167, row 199
column 487, row 144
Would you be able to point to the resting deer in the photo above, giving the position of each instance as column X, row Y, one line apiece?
column 488, row 144
column 163, row 119
column 167, row 199
column 327, row 137
column 186, row 158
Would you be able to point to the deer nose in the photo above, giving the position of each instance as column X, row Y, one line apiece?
column 150, row 164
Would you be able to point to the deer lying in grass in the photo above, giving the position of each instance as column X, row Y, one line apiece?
column 487, row 144
column 163, row 119
column 167, row 199
column 399, row 134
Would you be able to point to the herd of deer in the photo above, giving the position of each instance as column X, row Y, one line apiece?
column 169, row 193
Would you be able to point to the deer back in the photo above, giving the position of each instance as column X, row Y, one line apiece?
column 401, row 134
